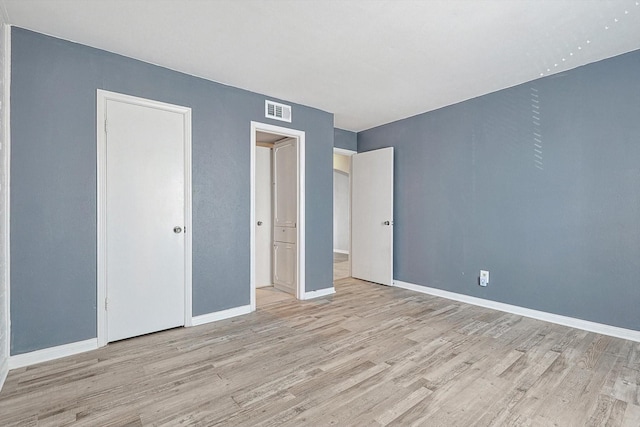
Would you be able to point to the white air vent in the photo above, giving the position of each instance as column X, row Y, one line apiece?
column 274, row 110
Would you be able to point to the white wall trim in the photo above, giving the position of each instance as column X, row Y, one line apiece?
column 52, row 353
column 102, row 97
column 301, row 261
column 6, row 149
column 188, row 221
column 600, row 328
column 220, row 315
column 319, row 293
column 302, row 185
column 340, row 251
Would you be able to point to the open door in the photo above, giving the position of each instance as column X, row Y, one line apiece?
column 372, row 216
column 285, row 214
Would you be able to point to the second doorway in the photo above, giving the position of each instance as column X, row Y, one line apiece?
column 276, row 217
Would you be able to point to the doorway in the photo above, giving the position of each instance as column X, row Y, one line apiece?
column 277, row 214
column 341, row 213
column 144, row 216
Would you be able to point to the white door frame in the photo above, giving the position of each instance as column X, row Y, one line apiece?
column 300, row 136
column 102, row 97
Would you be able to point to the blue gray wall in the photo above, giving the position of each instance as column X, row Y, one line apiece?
column 53, row 184
column 539, row 184
column 345, row 139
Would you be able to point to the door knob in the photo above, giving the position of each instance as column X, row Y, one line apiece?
column 387, row 223
column 259, row 222
column 177, row 229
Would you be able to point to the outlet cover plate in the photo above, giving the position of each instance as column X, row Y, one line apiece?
column 484, row 277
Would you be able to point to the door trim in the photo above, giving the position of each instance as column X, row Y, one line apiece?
column 300, row 136
column 102, row 97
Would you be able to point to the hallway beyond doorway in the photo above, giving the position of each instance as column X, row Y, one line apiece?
column 340, row 266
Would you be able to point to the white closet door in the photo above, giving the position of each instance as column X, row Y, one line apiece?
column 144, row 220
column 372, row 216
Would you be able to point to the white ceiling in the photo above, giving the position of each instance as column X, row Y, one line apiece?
column 367, row 61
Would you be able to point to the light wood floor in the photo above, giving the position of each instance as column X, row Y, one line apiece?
column 368, row 355
column 270, row 295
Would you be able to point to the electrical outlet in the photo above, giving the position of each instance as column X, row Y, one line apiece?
column 484, row 277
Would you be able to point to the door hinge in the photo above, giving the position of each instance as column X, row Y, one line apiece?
column 105, row 126
column 105, row 304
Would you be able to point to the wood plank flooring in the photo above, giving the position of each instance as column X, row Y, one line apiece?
column 368, row 355
column 270, row 295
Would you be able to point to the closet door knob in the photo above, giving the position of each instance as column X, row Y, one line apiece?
column 259, row 222
column 177, row 229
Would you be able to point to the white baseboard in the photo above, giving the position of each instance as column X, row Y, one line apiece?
column 220, row 315
column 319, row 293
column 341, row 251
column 4, row 370
column 600, row 328
column 52, row 353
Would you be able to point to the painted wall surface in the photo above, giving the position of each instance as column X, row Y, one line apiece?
column 345, row 139
column 53, row 190
column 539, row 184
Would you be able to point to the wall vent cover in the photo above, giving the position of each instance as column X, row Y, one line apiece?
column 277, row 111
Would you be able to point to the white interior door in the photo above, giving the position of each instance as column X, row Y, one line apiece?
column 145, row 205
column 372, row 216
column 264, row 223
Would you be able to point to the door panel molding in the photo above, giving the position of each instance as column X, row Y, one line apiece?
column 285, row 154
column 284, row 254
column 102, row 98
